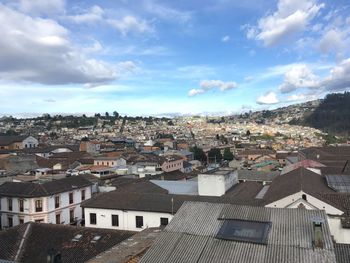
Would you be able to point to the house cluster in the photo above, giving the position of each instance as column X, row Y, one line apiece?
column 149, row 200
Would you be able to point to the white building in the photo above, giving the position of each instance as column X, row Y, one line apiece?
column 56, row 202
column 305, row 189
column 216, row 182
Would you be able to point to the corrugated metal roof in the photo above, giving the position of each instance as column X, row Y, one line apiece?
column 190, row 236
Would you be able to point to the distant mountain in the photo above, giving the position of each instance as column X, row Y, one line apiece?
column 332, row 115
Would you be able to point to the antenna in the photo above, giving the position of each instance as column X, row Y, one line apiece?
column 172, row 205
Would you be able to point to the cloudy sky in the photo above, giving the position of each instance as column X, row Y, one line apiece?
column 143, row 57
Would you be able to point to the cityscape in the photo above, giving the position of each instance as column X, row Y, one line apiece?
column 157, row 131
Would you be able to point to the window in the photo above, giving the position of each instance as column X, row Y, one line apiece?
column 21, row 205
column 304, row 197
column 39, row 221
column 9, row 204
column 245, row 231
column 21, row 221
column 58, row 218
column 71, row 215
column 93, row 220
column 10, row 221
column 82, row 195
column 38, row 205
column 115, row 220
column 57, row 201
column 164, row 221
column 71, row 198
column 139, row 221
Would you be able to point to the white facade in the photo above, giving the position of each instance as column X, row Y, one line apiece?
column 304, row 200
column 216, row 184
column 126, row 219
column 30, row 142
column 48, row 212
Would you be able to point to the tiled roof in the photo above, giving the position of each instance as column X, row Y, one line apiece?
column 297, row 180
column 6, row 140
column 38, row 239
column 243, row 193
column 26, row 189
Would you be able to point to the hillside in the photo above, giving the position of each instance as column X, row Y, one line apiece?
column 332, row 115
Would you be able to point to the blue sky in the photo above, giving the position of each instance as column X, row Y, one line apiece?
column 149, row 57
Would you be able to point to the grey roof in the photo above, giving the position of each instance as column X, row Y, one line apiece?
column 342, row 253
column 6, row 140
column 258, row 176
column 190, row 236
column 26, row 189
column 178, row 187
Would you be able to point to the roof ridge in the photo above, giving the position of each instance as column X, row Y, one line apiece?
column 22, row 244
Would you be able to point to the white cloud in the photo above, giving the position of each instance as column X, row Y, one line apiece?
column 211, row 84
column 299, row 76
column 194, row 92
column 225, row 38
column 206, row 85
column 339, row 78
column 296, row 97
column 93, row 15
column 167, row 13
column 43, row 53
column 291, row 17
column 42, row 7
column 268, row 99
column 131, row 24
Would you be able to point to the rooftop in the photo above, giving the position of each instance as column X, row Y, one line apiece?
column 191, row 236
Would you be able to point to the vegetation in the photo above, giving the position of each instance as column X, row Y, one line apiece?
column 214, row 155
column 332, row 115
column 228, row 155
column 198, row 154
column 331, row 139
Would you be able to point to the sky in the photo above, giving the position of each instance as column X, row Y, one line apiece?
column 152, row 57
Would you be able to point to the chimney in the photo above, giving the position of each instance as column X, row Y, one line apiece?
column 318, row 234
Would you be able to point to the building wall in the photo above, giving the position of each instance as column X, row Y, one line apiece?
column 30, row 142
column 48, row 214
column 216, row 185
column 127, row 219
column 339, row 233
column 172, row 166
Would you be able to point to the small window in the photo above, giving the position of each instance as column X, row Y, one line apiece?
column 21, row 205
column 115, row 220
column 10, row 221
column 58, row 218
column 71, row 198
column 139, row 221
column 304, row 197
column 57, row 201
column 21, row 221
column 164, row 221
column 93, row 220
column 245, row 231
column 38, row 205
column 82, row 195
column 9, row 204
column 71, row 216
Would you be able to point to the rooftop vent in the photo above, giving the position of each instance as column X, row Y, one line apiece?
column 95, row 239
column 77, row 237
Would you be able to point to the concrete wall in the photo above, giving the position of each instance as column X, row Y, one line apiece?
column 216, row 185
column 127, row 219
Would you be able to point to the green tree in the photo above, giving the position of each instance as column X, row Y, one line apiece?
column 228, row 155
column 215, row 155
column 115, row 114
column 198, row 154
